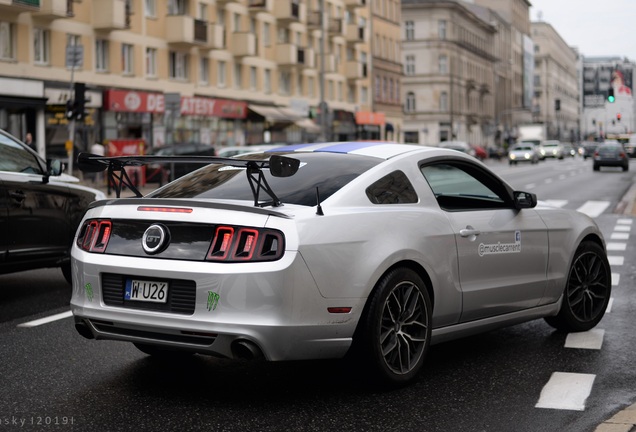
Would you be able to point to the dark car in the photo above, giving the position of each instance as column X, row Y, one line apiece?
column 40, row 209
column 589, row 148
column 160, row 173
column 611, row 154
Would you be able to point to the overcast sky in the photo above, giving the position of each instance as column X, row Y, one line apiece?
column 596, row 28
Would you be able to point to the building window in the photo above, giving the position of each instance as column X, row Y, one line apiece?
column 409, row 105
column 443, row 102
column 310, row 86
column 364, row 95
column 41, row 46
column 351, row 95
column 101, row 55
column 127, row 59
column 267, row 29
column 178, row 65
column 284, row 78
column 441, row 29
column 204, row 70
column 411, row 137
column 267, row 84
column 409, row 68
column 222, row 76
column 253, row 78
column 410, row 30
column 177, row 7
column 443, row 65
column 7, row 41
column 151, row 9
column 151, row 62
column 238, row 75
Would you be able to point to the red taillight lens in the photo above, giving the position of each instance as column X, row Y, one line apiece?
column 94, row 235
column 242, row 244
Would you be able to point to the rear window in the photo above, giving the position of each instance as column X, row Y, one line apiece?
column 326, row 171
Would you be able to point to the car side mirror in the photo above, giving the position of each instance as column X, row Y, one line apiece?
column 524, row 199
column 54, row 168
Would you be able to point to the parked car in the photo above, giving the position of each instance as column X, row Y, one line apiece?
column 568, row 150
column 459, row 146
column 551, row 149
column 312, row 255
column 40, row 209
column 523, row 152
column 496, row 153
column 610, row 154
column 160, row 173
column 480, row 152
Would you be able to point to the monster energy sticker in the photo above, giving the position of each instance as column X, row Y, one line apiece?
column 501, row 248
column 89, row 292
column 213, row 300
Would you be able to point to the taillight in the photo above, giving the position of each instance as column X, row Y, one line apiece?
column 94, row 235
column 242, row 244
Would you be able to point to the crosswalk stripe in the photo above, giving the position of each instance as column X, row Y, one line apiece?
column 594, row 208
column 616, row 260
column 616, row 246
column 592, row 339
column 566, row 391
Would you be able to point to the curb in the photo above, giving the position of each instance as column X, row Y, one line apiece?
column 623, row 421
column 626, row 205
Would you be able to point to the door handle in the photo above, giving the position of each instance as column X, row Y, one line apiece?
column 17, row 195
column 469, row 231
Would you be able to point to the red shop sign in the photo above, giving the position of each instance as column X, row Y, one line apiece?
column 134, row 101
column 200, row 106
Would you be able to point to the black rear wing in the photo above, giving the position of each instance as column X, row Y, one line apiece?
column 279, row 166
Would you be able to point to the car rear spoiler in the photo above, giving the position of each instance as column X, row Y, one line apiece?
column 279, row 166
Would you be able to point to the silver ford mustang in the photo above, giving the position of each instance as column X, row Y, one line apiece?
column 368, row 249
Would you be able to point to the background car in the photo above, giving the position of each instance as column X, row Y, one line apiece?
column 40, row 209
column 312, row 255
column 589, row 147
column 459, row 146
column 568, row 150
column 160, row 173
column 610, row 154
column 523, row 152
column 551, row 149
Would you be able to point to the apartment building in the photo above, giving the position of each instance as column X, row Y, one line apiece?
column 556, row 84
column 242, row 71
column 448, row 50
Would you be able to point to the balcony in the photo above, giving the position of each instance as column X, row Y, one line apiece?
column 353, row 4
column 54, row 9
column 184, row 31
column 216, row 37
column 110, row 15
column 330, row 62
column 14, row 7
column 243, row 44
column 355, row 34
column 355, row 70
column 334, row 27
column 257, row 6
column 314, row 19
column 290, row 55
column 289, row 11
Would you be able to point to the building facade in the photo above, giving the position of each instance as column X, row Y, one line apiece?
column 448, row 85
column 556, row 84
column 242, row 71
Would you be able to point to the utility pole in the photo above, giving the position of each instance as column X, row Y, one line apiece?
column 323, row 107
column 74, row 57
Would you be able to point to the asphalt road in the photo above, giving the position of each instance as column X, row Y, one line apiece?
column 489, row 382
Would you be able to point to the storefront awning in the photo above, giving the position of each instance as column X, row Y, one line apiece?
column 308, row 125
column 273, row 114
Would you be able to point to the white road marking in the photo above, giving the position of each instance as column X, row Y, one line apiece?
column 47, row 320
column 530, row 186
column 619, row 236
column 609, row 305
column 594, row 208
column 567, row 391
column 616, row 277
column 592, row 339
column 548, row 181
column 616, row 246
column 622, row 228
column 616, row 260
column 557, row 203
column 624, row 221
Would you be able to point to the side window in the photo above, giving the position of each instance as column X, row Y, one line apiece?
column 461, row 188
column 394, row 188
column 16, row 158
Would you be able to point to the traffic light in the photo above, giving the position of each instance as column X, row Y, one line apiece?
column 610, row 95
column 618, row 116
column 80, row 100
column 69, row 109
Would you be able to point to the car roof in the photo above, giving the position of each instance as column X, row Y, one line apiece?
column 379, row 149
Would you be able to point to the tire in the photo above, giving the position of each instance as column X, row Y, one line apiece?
column 162, row 353
column 587, row 291
column 596, row 167
column 394, row 333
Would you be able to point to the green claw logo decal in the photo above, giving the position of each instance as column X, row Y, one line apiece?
column 89, row 291
column 213, row 300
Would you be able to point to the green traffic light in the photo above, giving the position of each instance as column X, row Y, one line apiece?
column 610, row 98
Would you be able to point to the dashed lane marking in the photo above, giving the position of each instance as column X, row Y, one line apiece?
column 616, row 246
column 566, row 391
column 616, row 260
column 592, row 339
column 47, row 320
column 619, row 236
column 594, row 208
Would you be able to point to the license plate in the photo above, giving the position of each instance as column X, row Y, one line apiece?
column 146, row 290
